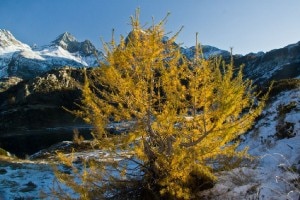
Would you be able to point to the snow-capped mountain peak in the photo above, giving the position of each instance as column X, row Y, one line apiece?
column 18, row 59
column 9, row 42
column 68, row 42
column 64, row 40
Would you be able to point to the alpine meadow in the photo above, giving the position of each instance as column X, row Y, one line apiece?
column 183, row 119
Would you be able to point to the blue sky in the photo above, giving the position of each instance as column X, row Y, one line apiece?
column 245, row 25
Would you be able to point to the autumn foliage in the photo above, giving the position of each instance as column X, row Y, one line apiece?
column 185, row 115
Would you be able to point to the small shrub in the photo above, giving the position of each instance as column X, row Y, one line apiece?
column 296, row 183
column 242, row 177
column 3, row 152
column 293, row 183
column 284, row 109
column 285, row 130
column 283, row 85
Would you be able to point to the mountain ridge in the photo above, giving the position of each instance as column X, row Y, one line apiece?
column 7, row 39
column 19, row 59
column 64, row 50
column 68, row 42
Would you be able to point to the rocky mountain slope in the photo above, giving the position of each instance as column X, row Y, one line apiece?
column 282, row 63
column 277, row 64
column 274, row 143
column 56, row 89
column 32, row 112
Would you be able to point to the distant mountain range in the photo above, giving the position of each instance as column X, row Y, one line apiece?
column 21, row 60
column 24, row 61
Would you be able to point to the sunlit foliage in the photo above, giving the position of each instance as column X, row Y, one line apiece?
column 185, row 116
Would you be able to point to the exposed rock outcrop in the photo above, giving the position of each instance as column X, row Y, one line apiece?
column 52, row 91
column 32, row 114
column 69, row 43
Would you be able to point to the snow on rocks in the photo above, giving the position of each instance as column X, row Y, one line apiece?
column 275, row 173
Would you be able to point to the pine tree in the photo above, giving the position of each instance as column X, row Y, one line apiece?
column 185, row 115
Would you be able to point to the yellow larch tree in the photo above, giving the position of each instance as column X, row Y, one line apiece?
column 184, row 116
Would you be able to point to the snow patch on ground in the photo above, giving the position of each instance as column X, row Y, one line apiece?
column 276, row 172
column 25, row 180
